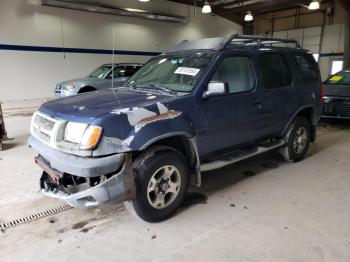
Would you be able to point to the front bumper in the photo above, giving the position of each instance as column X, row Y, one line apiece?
column 118, row 184
column 336, row 107
column 63, row 93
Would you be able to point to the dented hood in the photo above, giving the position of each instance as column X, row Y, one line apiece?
column 87, row 107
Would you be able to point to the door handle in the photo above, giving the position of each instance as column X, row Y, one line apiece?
column 257, row 103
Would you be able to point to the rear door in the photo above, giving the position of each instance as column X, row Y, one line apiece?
column 278, row 95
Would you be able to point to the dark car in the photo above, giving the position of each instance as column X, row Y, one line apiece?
column 337, row 96
column 200, row 106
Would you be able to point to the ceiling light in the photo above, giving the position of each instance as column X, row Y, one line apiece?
column 144, row 0
column 134, row 10
column 314, row 5
column 206, row 8
column 248, row 16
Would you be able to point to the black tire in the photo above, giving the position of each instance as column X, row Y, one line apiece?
column 292, row 151
column 145, row 167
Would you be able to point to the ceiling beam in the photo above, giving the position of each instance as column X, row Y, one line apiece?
column 345, row 4
column 216, row 10
column 268, row 4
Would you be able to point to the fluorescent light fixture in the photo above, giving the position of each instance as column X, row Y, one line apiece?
column 134, row 10
column 206, row 8
column 248, row 16
column 144, row 0
column 314, row 5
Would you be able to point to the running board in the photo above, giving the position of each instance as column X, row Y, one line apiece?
column 228, row 161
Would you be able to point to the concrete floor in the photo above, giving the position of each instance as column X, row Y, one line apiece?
column 262, row 209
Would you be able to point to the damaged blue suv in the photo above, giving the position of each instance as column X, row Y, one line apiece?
column 200, row 106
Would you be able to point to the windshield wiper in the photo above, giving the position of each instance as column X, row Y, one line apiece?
column 156, row 87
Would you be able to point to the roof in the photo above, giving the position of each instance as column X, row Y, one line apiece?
column 234, row 40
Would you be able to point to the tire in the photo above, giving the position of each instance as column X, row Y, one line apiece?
column 162, row 179
column 297, row 140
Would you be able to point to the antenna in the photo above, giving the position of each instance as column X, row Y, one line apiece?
column 113, row 41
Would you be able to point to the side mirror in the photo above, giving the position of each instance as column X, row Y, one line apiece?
column 216, row 89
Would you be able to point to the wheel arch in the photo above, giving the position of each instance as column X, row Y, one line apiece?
column 181, row 142
column 307, row 112
column 87, row 88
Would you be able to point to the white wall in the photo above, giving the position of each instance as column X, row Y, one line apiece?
column 29, row 75
column 310, row 38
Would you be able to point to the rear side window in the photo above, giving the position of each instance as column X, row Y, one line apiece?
column 307, row 67
column 237, row 72
column 130, row 70
column 275, row 70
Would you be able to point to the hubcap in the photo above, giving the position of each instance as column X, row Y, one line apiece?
column 163, row 186
column 300, row 140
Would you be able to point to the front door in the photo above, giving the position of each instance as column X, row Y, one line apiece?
column 234, row 119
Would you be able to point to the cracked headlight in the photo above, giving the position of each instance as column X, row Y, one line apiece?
column 87, row 136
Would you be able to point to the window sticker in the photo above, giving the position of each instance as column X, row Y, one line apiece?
column 336, row 78
column 187, row 71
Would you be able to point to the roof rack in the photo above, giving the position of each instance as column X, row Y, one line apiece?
column 220, row 43
column 254, row 40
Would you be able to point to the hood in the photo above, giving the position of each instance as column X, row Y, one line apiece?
column 86, row 107
column 336, row 90
column 80, row 80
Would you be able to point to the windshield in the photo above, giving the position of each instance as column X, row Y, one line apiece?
column 340, row 78
column 176, row 73
column 101, row 71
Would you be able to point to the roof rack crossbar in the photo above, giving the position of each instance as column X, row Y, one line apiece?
column 256, row 40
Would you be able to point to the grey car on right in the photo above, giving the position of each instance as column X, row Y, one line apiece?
column 337, row 96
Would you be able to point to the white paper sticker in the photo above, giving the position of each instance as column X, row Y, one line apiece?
column 187, row 71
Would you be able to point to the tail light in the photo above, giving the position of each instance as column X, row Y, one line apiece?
column 321, row 94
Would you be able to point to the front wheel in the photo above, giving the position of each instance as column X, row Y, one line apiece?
column 162, row 179
column 297, row 140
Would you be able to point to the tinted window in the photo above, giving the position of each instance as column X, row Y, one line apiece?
column 275, row 70
column 130, row 70
column 237, row 72
column 307, row 67
column 119, row 71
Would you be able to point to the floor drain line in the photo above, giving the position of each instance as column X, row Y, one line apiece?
column 49, row 212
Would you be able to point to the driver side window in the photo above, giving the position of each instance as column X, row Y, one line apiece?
column 118, row 72
column 237, row 72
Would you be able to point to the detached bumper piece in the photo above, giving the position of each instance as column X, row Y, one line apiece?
column 87, row 192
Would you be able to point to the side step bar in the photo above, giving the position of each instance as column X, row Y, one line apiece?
column 228, row 161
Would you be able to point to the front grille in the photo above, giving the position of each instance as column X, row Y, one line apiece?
column 43, row 127
column 42, row 122
column 338, row 107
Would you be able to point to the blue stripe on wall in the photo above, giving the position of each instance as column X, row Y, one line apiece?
column 74, row 50
column 331, row 54
column 96, row 51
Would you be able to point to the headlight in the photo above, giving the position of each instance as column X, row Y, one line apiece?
column 91, row 137
column 69, row 87
column 87, row 136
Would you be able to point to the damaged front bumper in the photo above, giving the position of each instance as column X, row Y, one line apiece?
column 84, row 182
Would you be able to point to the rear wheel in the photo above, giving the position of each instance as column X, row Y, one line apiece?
column 162, row 179
column 297, row 140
